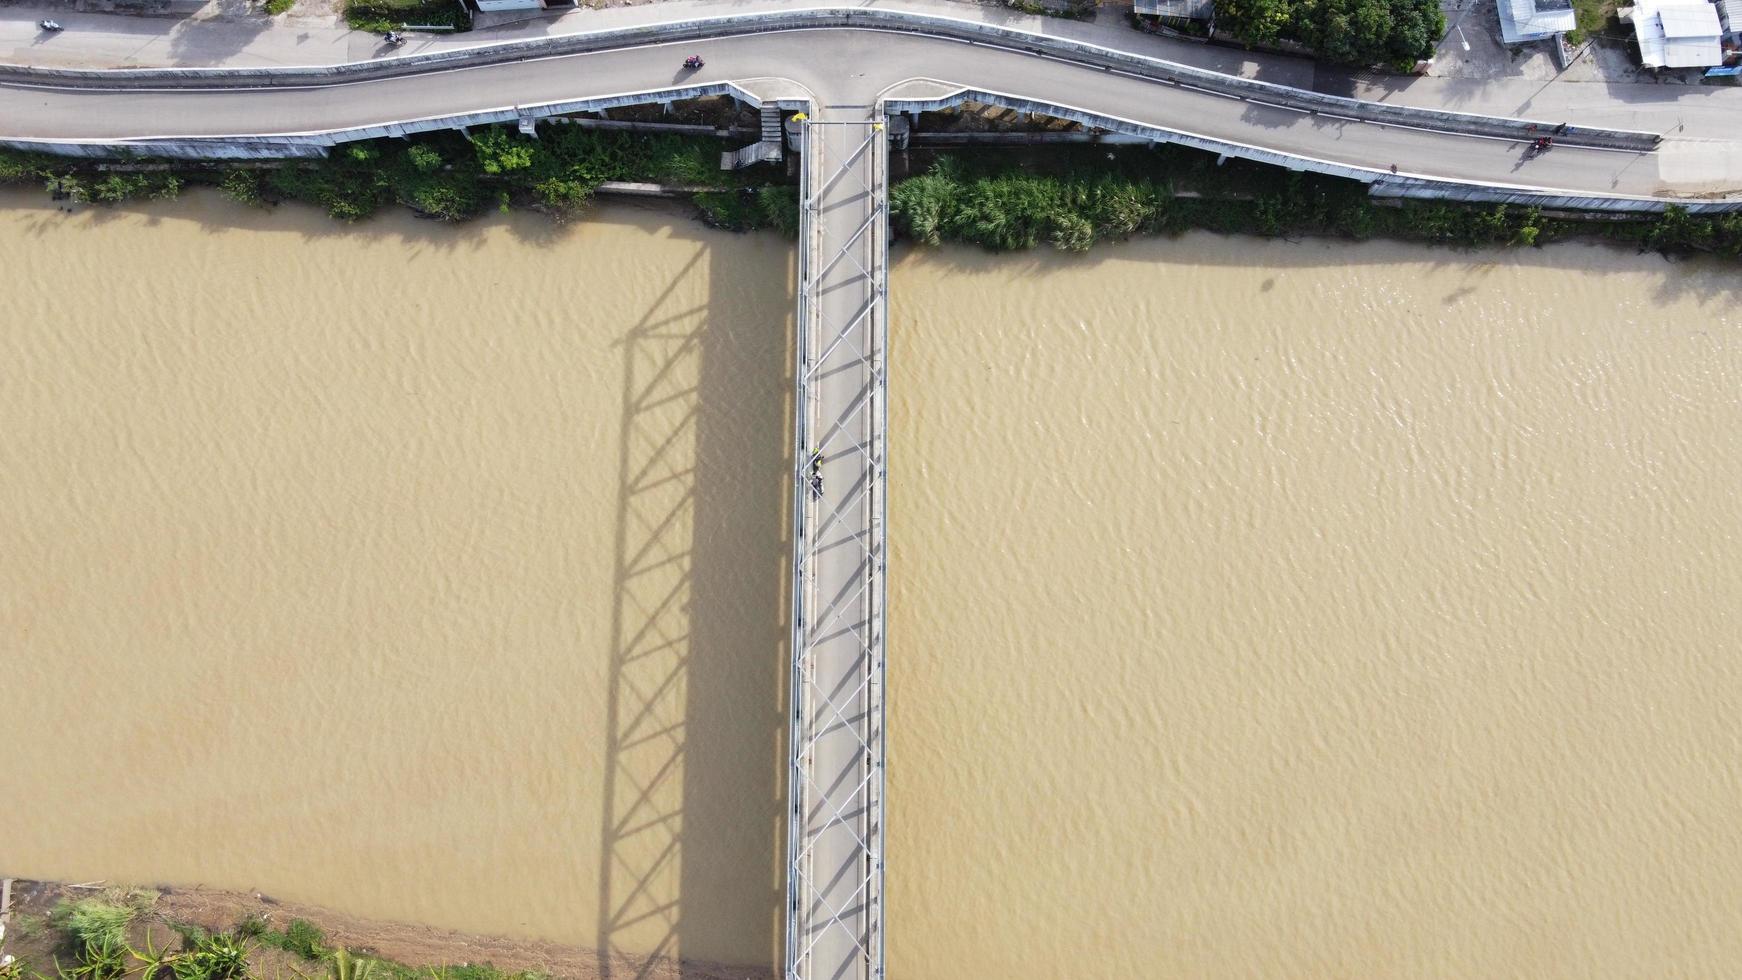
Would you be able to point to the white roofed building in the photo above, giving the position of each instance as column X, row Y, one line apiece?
column 1535, row 20
column 1678, row 33
column 1730, row 15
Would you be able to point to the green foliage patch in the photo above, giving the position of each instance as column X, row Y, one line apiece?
column 381, row 16
column 989, row 201
column 301, row 938
column 1394, row 33
column 92, row 921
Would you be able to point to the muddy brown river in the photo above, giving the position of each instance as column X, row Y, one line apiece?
column 1259, row 609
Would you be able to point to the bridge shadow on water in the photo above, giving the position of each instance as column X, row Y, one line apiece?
column 692, row 841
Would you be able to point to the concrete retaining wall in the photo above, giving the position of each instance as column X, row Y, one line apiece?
column 294, row 148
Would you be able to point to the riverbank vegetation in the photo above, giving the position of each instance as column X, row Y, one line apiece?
column 447, row 175
column 119, row 935
column 1071, row 198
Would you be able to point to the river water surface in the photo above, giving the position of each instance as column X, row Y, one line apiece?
column 1259, row 609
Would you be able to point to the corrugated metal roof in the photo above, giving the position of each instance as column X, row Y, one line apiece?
column 1526, row 20
column 1690, row 21
column 1191, row 9
column 1694, row 43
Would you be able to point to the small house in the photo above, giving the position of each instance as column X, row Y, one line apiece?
column 1535, row 20
column 1677, row 34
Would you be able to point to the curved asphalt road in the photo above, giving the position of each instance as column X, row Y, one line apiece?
column 847, row 66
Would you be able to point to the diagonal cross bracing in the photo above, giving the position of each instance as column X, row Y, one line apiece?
column 834, row 924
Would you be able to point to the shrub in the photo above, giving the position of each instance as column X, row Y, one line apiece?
column 777, row 208
column 243, row 186
column 218, row 956
column 683, row 162
column 117, row 187
column 727, row 209
column 303, row 938
column 1072, row 232
column 426, row 159
column 276, row 7
column 91, row 921
column 920, row 205
column 500, row 151
column 19, row 166
column 451, row 197
column 69, row 184
column 565, row 195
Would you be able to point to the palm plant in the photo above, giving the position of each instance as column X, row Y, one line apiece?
column 220, row 956
column 348, row 967
column 154, row 962
column 102, row 958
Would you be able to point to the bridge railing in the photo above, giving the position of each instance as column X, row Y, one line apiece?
column 801, row 454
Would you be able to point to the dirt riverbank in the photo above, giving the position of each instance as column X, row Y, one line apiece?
column 34, row 939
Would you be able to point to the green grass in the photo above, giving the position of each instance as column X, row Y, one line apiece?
column 276, row 7
column 301, row 937
column 1594, row 17
column 25, row 926
column 381, row 16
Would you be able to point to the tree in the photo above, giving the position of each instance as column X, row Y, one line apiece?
column 1350, row 32
column 500, row 151
column 1254, row 21
column 1369, row 32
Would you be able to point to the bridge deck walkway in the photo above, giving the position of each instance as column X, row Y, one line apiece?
column 835, row 839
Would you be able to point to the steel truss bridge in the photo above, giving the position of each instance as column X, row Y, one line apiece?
column 834, row 891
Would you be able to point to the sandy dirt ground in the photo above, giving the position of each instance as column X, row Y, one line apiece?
column 29, row 938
